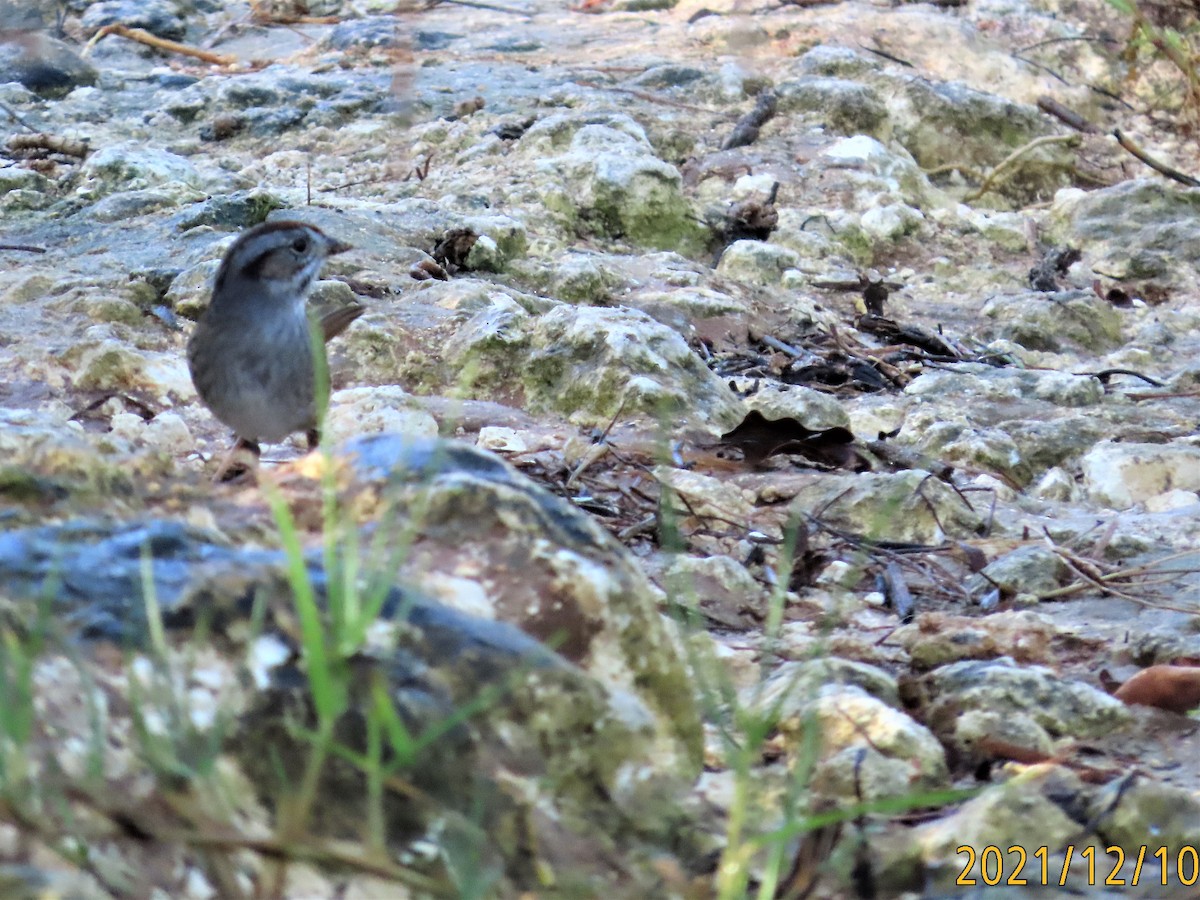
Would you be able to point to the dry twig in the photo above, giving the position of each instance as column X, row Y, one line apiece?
column 142, row 36
column 1128, row 144
column 1071, row 140
column 1066, row 115
column 1125, row 576
column 644, row 95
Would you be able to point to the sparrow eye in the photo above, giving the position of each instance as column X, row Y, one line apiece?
column 300, row 244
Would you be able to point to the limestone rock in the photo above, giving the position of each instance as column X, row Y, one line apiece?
column 811, row 408
column 590, row 362
column 1056, row 322
column 720, row 587
column 1136, row 230
column 950, row 123
column 870, row 748
column 1027, row 570
column 1120, row 475
column 758, row 262
column 543, row 565
column 133, row 166
column 607, row 181
column 371, row 410
column 587, row 752
column 1147, row 812
column 1029, row 697
column 890, row 507
column 844, row 107
column 793, row 685
column 191, row 289
column 935, row 639
column 874, row 168
column 1000, row 816
column 975, row 380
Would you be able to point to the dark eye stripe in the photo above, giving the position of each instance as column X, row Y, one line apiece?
column 255, row 266
column 252, row 267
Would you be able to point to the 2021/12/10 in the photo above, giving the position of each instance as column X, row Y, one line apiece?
column 991, row 862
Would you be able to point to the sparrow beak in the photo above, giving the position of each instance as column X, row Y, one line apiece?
column 336, row 246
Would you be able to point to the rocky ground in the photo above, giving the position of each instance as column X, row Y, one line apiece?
column 768, row 454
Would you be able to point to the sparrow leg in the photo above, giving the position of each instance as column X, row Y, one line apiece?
column 240, row 460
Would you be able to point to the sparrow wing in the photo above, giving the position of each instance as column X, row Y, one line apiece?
column 338, row 320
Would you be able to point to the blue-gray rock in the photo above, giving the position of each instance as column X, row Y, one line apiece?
column 242, row 93
column 159, row 17
column 92, row 575
column 19, row 16
column 45, row 65
column 371, row 31
column 265, row 121
column 434, row 40
column 128, row 204
column 175, row 80
column 516, row 45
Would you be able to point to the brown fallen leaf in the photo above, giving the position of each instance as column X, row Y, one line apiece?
column 1174, row 688
column 751, row 219
column 454, row 248
column 998, row 749
column 426, row 269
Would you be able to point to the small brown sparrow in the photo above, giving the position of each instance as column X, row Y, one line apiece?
column 251, row 355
